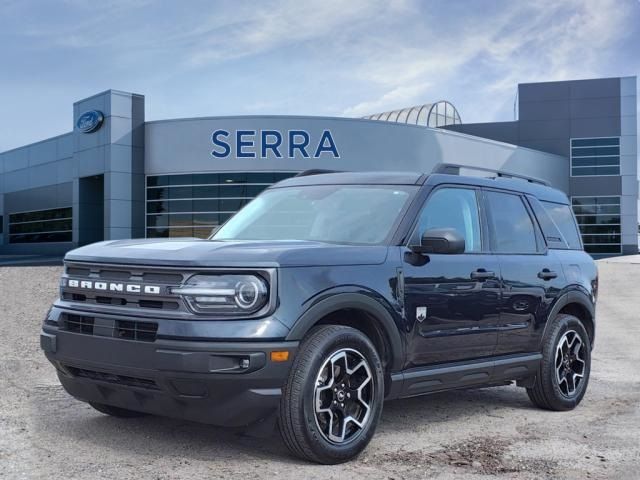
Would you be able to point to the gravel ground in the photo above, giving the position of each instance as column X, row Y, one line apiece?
column 472, row 434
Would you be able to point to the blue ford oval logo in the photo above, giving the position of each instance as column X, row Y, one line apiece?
column 90, row 121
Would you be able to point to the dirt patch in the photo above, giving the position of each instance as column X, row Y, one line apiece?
column 482, row 455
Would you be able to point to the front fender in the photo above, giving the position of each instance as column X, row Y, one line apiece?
column 375, row 307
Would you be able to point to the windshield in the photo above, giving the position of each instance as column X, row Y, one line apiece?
column 347, row 214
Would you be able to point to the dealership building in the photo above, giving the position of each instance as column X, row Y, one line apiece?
column 116, row 175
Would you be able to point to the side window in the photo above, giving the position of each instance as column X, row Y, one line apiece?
column 513, row 230
column 562, row 216
column 451, row 208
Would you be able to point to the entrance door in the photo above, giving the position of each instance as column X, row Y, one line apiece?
column 91, row 209
column 452, row 301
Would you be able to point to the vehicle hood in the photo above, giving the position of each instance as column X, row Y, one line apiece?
column 206, row 253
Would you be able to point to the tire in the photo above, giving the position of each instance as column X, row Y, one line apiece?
column 116, row 411
column 313, row 385
column 563, row 374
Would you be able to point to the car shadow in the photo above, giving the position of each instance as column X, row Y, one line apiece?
column 86, row 429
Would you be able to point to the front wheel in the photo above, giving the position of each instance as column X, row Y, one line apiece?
column 563, row 374
column 333, row 397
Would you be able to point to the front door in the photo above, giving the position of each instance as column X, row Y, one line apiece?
column 451, row 301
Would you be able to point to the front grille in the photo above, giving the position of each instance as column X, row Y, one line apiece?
column 103, row 327
column 78, row 324
column 117, row 295
column 133, row 330
column 112, row 378
column 120, row 301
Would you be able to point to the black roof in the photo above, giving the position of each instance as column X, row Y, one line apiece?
column 542, row 192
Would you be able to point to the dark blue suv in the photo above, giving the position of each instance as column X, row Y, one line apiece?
column 325, row 296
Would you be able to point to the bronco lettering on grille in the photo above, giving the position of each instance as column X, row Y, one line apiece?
column 114, row 287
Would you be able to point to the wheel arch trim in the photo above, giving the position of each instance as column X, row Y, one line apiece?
column 570, row 297
column 356, row 301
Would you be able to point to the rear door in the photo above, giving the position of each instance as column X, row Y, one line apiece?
column 532, row 276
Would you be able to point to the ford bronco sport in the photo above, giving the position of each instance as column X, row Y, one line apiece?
column 325, row 296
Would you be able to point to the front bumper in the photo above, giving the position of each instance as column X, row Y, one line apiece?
column 221, row 383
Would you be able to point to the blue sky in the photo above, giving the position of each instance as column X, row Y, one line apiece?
column 316, row 57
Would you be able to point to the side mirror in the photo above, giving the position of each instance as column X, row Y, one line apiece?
column 440, row 240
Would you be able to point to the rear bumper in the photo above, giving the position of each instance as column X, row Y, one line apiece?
column 221, row 383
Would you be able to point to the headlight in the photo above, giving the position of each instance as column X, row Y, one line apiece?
column 232, row 295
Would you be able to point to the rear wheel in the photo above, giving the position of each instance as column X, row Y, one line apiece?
column 116, row 411
column 333, row 397
column 563, row 374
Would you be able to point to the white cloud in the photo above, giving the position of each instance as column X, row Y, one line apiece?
column 401, row 95
column 536, row 41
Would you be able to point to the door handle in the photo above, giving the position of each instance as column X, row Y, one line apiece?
column 482, row 274
column 547, row 274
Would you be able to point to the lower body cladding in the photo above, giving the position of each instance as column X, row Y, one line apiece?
column 220, row 383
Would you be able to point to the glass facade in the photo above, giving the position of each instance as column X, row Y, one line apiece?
column 53, row 225
column 191, row 205
column 595, row 156
column 599, row 223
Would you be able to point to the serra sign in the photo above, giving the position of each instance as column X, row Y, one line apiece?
column 273, row 143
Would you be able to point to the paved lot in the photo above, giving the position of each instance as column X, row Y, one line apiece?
column 472, row 434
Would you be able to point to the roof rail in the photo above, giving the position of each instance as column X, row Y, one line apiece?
column 315, row 171
column 454, row 169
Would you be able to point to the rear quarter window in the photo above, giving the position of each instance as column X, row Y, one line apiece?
column 562, row 216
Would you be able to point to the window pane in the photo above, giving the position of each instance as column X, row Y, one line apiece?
column 157, row 220
column 207, row 194
column 595, row 151
column 206, row 206
column 180, row 192
column 582, row 171
column 278, row 176
column 157, row 207
column 157, row 193
column 451, row 208
column 157, row 181
column 205, row 179
column 513, row 230
column 599, row 229
column 180, row 220
column 596, row 161
column 595, row 200
column 52, row 225
column 590, row 239
column 41, row 237
column 233, row 178
column 260, row 177
column 157, row 232
column 588, row 142
column 598, row 219
column 202, row 232
column 596, row 209
column 178, row 206
column 232, row 205
column 201, row 219
column 209, row 191
column 563, row 218
column 181, row 179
